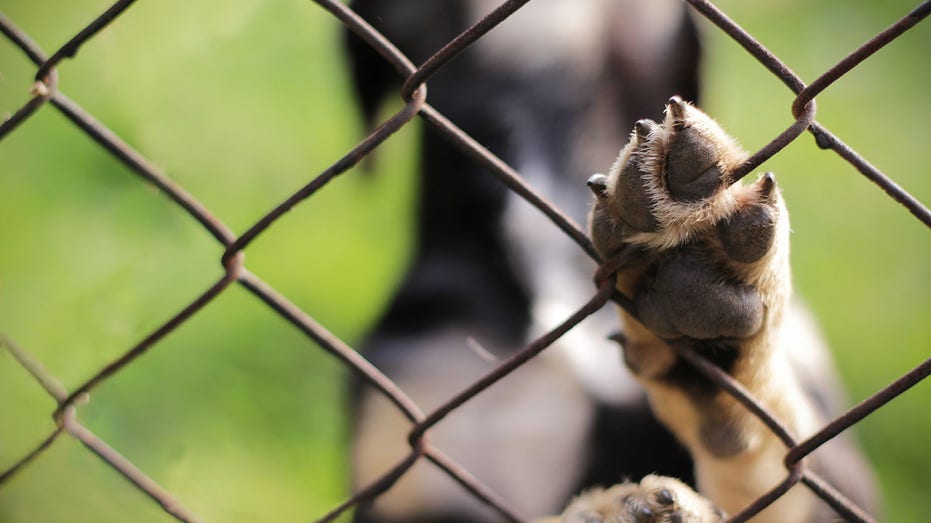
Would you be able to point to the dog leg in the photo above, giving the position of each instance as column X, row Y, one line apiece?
column 709, row 269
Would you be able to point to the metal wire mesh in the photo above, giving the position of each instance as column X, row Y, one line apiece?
column 803, row 109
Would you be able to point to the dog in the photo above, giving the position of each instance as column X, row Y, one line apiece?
column 554, row 91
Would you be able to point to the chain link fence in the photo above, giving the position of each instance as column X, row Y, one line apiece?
column 416, row 104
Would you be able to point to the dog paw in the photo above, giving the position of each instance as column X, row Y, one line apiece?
column 709, row 264
column 656, row 499
column 703, row 259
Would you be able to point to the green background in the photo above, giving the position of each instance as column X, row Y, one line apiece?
column 242, row 102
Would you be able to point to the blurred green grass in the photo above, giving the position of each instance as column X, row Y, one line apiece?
column 242, row 102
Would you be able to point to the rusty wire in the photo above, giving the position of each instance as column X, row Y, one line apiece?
column 414, row 93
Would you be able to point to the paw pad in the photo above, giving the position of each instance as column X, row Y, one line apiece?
column 687, row 296
column 747, row 235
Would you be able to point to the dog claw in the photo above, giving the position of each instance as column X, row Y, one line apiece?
column 676, row 106
column 598, row 183
column 767, row 185
column 644, row 127
column 665, row 497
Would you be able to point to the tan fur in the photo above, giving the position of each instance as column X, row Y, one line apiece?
column 656, row 498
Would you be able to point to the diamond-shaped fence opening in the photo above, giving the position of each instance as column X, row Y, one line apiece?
column 170, row 272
